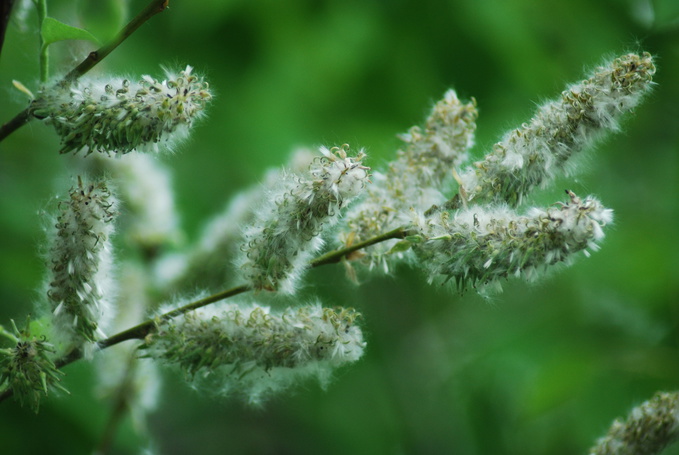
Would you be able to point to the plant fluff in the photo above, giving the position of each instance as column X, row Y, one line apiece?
column 119, row 116
column 280, row 242
column 451, row 236
column 417, row 178
column 81, row 286
column 479, row 246
column 533, row 154
column 253, row 351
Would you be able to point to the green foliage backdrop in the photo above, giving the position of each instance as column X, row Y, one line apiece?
column 540, row 368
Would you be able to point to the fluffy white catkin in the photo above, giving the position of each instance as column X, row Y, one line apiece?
column 118, row 116
column 416, row 179
column 480, row 245
column 531, row 155
column 206, row 264
column 288, row 227
column 649, row 428
column 253, row 351
column 144, row 187
column 80, row 262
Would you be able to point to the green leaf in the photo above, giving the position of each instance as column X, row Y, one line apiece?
column 54, row 30
column 400, row 247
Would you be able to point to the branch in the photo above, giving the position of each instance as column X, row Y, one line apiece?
column 140, row 331
column 153, row 8
column 143, row 329
column 17, row 122
column 335, row 256
column 5, row 12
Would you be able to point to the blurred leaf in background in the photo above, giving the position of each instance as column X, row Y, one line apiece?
column 540, row 368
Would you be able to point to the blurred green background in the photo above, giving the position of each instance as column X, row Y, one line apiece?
column 539, row 369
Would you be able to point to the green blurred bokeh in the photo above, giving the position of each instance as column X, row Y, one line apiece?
column 540, row 369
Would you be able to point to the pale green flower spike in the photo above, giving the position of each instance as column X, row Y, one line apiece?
column 119, row 116
column 280, row 242
column 252, row 351
column 80, row 289
column 417, row 178
column 533, row 154
column 27, row 369
column 649, row 428
column 480, row 245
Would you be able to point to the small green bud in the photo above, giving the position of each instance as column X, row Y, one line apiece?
column 27, row 369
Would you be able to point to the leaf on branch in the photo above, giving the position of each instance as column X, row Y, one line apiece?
column 54, row 30
column 403, row 245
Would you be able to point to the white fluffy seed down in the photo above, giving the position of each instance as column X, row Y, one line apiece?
column 145, row 189
column 80, row 288
column 254, row 352
column 118, row 115
column 288, row 227
column 533, row 154
column 480, row 245
column 206, row 265
column 416, row 179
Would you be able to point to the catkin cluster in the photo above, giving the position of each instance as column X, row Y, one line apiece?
column 119, row 116
column 253, row 351
column 475, row 238
column 481, row 234
column 417, row 179
column 478, row 246
column 80, row 262
column 533, row 154
column 288, row 229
